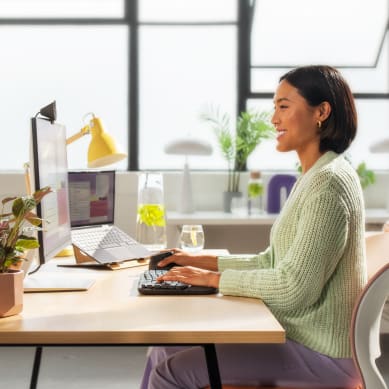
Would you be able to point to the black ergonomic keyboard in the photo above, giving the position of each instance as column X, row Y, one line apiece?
column 148, row 285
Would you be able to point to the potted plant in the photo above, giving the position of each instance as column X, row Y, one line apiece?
column 250, row 129
column 15, row 238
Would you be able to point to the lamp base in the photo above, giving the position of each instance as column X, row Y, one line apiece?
column 66, row 252
column 185, row 204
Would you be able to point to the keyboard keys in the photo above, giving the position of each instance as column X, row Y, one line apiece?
column 101, row 238
column 148, row 284
column 149, row 280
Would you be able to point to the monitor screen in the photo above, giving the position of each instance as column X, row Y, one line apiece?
column 91, row 197
column 49, row 168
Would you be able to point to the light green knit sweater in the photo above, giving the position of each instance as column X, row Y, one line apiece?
column 314, row 268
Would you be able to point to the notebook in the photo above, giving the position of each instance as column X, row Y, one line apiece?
column 95, row 238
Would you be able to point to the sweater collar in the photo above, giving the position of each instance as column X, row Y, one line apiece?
column 326, row 158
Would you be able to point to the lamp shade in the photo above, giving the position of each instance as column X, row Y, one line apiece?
column 188, row 146
column 102, row 149
column 381, row 146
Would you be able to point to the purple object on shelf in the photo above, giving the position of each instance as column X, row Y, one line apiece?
column 276, row 184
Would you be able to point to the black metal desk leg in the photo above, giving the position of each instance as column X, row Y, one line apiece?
column 35, row 368
column 212, row 365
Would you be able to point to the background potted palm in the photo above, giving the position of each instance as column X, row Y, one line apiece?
column 16, row 226
column 250, row 129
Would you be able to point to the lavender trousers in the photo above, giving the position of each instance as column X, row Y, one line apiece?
column 247, row 364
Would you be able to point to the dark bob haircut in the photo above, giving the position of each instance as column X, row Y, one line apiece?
column 324, row 83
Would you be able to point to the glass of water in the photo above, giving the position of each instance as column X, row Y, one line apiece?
column 192, row 238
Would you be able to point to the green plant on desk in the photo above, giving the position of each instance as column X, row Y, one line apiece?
column 15, row 238
column 14, row 226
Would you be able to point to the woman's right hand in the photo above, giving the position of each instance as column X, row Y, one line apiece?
column 182, row 258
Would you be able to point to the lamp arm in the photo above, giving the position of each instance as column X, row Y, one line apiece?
column 84, row 131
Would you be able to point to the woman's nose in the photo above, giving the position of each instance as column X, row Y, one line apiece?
column 274, row 119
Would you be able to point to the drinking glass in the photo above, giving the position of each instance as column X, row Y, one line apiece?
column 192, row 238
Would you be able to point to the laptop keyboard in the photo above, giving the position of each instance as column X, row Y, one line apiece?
column 148, row 285
column 91, row 239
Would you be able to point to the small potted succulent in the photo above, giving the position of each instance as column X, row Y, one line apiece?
column 17, row 223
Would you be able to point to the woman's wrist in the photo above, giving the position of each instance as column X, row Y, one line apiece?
column 206, row 261
column 214, row 279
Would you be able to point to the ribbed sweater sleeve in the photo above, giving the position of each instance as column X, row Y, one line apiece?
column 314, row 268
column 247, row 262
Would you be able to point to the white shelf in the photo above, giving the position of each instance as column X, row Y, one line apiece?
column 219, row 218
column 377, row 215
column 374, row 215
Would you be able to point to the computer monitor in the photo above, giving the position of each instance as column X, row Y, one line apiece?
column 50, row 168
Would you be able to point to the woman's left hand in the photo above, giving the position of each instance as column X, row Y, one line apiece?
column 192, row 275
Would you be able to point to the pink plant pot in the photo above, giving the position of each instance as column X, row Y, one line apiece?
column 11, row 293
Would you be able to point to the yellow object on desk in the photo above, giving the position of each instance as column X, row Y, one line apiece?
column 66, row 252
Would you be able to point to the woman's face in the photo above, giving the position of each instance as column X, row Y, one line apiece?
column 295, row 121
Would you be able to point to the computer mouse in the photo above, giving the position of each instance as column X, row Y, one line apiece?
column 154, row 259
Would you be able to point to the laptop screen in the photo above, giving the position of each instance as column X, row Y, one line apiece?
column 91, row 197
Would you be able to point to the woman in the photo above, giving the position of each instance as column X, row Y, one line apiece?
column 314, row 268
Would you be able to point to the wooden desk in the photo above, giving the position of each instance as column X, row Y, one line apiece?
column 112, row 312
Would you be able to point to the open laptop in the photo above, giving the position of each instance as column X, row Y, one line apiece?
column 95, row 238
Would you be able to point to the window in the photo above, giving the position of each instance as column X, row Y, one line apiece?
column 149, row 68
column 82, row 64
column 189, row 70
column 351, row 35
column 83, row 68
column 187, row 62
column 61, row 8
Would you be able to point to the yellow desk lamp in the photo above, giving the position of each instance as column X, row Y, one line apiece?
column 102, row 150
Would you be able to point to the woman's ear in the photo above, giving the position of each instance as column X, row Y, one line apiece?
column 324, row 111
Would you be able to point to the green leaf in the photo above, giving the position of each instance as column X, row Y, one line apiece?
column 26, row 243
column 18, row 207
column 40, row 193
column 8, row 199
column 33, row 219
column 366, row 176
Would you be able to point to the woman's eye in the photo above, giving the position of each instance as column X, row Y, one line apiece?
column 283, row 106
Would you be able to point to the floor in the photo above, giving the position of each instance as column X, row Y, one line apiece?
column 74, row 367
column 94, row 367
